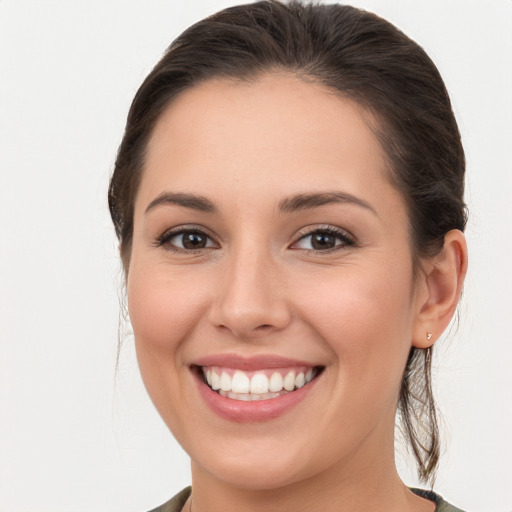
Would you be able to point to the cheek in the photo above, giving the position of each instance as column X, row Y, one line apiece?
column 363, row 314
column 162, row 311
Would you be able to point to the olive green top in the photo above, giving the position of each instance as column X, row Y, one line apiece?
column 177, row 503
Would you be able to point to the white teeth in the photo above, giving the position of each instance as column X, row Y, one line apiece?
column 239, row 396
column 265, row 396
column 240, row 383
column 240, row 387
column 225, row 382
column 215, row 384
column 275, row 383
column 247, row 397
column 289, row 381
column 259, row 384
column 300, row 380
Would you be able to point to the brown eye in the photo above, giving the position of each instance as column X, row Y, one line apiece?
column 321, row 241
column 194, row 240
column 324, row 240
column 186, row 240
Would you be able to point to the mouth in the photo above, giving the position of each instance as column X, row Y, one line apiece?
column 254, row 389
column 257, row 385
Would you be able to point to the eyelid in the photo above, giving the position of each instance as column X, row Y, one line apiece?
column 163, row 239
column 348, row 240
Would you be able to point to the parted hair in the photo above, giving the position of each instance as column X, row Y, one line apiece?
column 362, row 57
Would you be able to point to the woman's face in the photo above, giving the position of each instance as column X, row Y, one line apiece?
column 270, row 250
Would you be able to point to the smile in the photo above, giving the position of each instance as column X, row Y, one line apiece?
column 264, row 384
column 256, row 388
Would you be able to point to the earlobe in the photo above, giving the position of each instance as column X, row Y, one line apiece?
column 442, row 285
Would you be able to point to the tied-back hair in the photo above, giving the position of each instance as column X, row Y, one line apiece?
column 361, row 57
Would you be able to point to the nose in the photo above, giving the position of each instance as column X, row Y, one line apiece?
column 250, row 301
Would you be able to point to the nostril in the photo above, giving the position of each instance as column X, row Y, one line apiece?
column 260, row 328
column 263, row 329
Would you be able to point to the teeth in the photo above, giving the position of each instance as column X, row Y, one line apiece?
column 239, row 396
column 300, row 380
column 225, row 382
column 275, row 383
column 248, row 397
column 240, row 383
column 289, row 381
column 259, row 384
column 239, row 386
column 215, row 384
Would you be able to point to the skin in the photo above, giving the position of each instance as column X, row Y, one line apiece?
column 259, row 287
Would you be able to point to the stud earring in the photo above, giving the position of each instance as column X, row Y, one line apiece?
column 429, row 336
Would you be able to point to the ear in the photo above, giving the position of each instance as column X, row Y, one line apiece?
column 440, row 289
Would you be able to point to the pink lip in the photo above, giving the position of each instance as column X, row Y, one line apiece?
column 250, row 363
column 255, row 411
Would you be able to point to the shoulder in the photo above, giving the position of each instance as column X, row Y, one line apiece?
column 441, row 504
column 174, row 504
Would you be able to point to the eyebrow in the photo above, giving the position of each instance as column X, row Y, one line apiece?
column 309, row 201
column 192, row 201
column 288, row 205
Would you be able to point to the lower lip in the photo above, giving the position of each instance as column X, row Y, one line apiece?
column 255, row 411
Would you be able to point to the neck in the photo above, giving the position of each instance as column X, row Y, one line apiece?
column 372, row 488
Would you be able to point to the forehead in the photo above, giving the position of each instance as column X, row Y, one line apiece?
column 265, row 133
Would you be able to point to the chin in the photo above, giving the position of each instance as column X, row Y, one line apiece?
column 256, row 478
column 256, row 469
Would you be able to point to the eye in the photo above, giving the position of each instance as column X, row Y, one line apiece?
column 324, row 239
column 185, row 240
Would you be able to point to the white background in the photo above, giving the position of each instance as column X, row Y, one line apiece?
column 74, row 436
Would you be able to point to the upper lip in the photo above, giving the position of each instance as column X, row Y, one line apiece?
column 250, row 363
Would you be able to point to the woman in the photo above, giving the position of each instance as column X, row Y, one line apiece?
column 288, row 198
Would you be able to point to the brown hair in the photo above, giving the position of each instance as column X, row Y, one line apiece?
column 361, row 57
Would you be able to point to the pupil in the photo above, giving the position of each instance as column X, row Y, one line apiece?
column 194, row 241
column 323, row 241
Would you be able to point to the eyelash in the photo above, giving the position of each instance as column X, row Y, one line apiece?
column 346, row 239
column 166, row 237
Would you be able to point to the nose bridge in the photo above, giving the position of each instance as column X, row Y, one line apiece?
column 250, row 300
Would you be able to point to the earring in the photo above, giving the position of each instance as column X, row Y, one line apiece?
column 429, row 336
